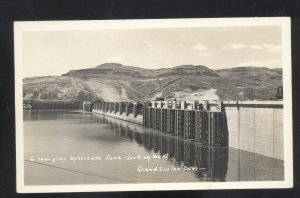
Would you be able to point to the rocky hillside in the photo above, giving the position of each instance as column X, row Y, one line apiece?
column 116, row 82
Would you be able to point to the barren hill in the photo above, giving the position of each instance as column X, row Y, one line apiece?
column 116, row 82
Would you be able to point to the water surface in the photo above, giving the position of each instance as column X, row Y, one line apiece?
column 72, row 147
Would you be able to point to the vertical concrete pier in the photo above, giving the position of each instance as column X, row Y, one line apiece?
column 86, row 105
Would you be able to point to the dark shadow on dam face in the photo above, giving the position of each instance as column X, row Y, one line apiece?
column 201, row 126
column 225, row 130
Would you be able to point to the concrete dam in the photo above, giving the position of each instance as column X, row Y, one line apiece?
column 51, row 104
column 253, row 126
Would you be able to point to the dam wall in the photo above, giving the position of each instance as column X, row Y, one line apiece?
column 51, row 104
column 128, row 111
column 253, row 126
column 256, row 127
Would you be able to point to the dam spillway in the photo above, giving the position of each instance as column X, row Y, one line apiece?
column 253, row 126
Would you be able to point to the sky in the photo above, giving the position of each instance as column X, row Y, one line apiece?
column 57, row 52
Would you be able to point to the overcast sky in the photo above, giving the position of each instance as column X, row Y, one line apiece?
column 57, row 52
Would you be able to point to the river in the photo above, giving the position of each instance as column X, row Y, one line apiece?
column 64, row 147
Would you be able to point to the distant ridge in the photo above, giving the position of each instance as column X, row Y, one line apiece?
column 137, row 72
column 117, row 82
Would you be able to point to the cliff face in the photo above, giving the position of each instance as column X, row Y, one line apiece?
column 116, row 82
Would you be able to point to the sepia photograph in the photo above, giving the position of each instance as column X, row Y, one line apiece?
column 160, row 104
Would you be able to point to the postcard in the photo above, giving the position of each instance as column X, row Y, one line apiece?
column 147, row 105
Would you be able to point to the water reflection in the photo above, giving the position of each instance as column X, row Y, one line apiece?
column 122, row 128
column 210, row 163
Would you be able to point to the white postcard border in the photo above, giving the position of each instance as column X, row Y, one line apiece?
column 284, row 22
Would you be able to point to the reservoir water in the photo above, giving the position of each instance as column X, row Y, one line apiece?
column 64, row 147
